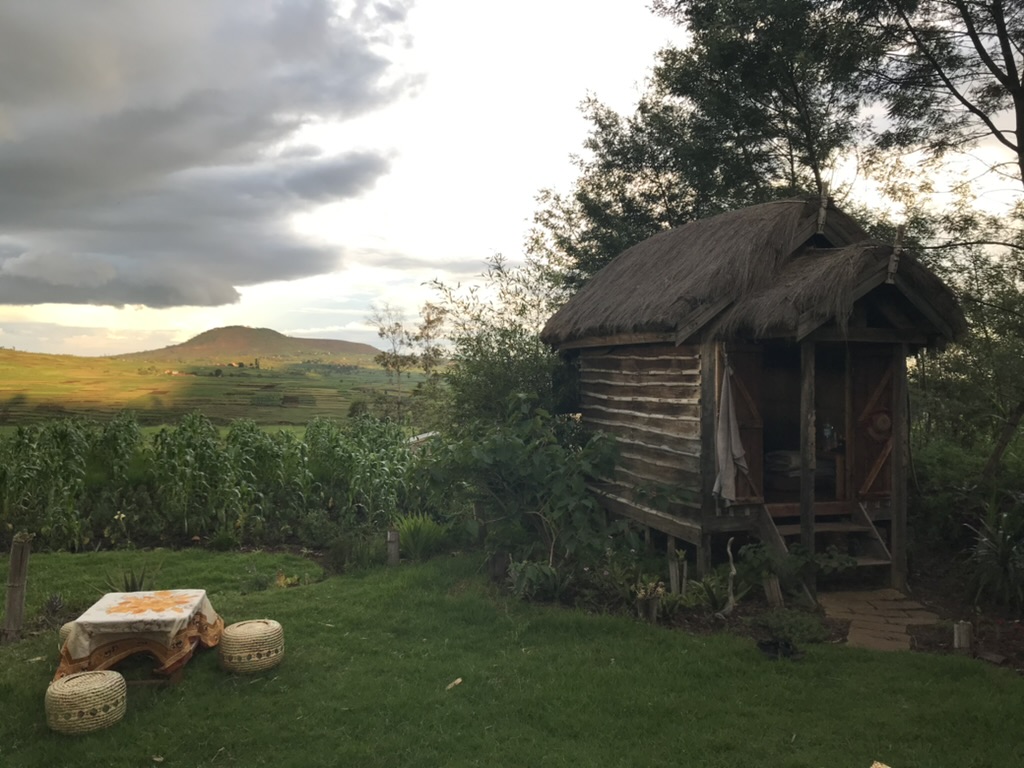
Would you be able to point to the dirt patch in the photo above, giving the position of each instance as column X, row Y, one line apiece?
column 939, row 583
column 996, row 640
column 743, row 622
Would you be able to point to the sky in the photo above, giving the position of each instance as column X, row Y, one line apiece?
column 171, row 166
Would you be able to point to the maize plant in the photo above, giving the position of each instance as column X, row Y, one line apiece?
column 78, row 484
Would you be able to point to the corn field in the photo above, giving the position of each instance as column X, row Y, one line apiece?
column 82, row 485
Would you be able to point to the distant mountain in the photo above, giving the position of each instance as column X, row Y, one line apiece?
column 238, row 342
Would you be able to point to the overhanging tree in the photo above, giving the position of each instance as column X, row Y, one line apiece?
column 760, row 105
column 951, row 78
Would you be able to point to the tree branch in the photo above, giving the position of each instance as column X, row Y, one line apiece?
column 950, row 85
column 979, row 46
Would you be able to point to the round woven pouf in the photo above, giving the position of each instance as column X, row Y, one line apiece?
column 65, row 630
column 85, row 701
column 251, row 646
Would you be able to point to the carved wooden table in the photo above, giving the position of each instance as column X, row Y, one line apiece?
column 167, row 624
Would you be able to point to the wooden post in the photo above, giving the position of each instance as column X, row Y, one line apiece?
column 962, row 636
column 394, row 556
column 808, row 448
column 17, row 580
column 673, row 567
column 898, row 543
column 849, row 425
column 708, row 409
column 773, row 590
column 703, row 563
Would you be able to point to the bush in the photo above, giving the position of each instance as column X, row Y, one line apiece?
column 420, row 536
column 997, row 556
column 528, row 478
column 793, row 626
column 949, row 492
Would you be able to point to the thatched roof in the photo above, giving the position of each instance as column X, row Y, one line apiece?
column 759, row 271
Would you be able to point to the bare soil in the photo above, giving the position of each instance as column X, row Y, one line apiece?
column 938, row 583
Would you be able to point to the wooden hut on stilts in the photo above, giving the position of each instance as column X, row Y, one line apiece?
column 753, row 369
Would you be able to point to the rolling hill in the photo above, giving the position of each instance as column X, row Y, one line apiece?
column 237, row 342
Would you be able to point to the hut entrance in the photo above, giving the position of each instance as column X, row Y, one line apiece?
column 853, row 420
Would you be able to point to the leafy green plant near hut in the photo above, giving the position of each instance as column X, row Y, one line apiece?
column 528, row 477
column 420, row 536
column 997, row 555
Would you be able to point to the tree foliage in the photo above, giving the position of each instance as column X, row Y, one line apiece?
column 496, row 352
column 951, row 74
column 762, row 104
column 780, row 82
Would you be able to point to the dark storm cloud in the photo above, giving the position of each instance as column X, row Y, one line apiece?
column 144, row 154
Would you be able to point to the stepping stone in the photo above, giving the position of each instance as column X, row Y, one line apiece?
column 879, row 619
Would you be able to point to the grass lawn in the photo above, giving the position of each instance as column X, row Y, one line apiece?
column 369, row 657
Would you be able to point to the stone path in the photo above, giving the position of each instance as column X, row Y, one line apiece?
column 878, row 619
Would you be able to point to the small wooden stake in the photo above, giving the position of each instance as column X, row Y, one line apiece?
column 673, row 566
column 773, row 591
column 394, row 557
column 962, row 636
column 17, row 580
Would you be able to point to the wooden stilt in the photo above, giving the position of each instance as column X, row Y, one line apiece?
column 900, row 440
column 673, row 567
column 808, row 448
column 704, row 556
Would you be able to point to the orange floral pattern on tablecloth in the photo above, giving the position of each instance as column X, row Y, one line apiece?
column 164, row 600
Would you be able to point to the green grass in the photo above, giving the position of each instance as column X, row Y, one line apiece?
column 369, row 657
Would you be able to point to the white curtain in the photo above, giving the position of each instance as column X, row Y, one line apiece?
column 729, row 453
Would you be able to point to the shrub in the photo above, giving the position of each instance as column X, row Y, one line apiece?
column 528, row 478
column 532, row 580
column 420, row 536
column 997, row 556
column 793, row 626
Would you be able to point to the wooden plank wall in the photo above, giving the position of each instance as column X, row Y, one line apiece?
column 649, row 398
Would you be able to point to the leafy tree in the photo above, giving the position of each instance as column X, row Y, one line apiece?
column 951, row 74
column 762, row 104
column 398, row 356
column 496, row 350
column 781, row 82
column 427, row 338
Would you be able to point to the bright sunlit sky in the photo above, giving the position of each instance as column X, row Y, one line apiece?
column 171, row 166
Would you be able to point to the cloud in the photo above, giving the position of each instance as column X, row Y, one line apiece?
column 59, row 269
column 149, row 151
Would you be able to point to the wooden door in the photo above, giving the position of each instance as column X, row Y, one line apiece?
column 872, row 421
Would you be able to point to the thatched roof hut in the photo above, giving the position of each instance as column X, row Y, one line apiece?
column 753, row 367
column 761, row 271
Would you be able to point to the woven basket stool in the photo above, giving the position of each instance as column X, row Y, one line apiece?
column 65, row 630
column 251, row 646
column 85, row 701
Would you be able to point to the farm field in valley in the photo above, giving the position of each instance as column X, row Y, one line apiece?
column 288, row 388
